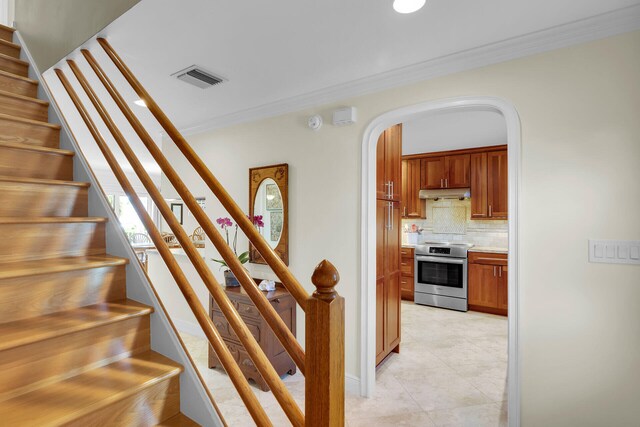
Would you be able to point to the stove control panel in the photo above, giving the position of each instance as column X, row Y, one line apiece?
column 443, row 251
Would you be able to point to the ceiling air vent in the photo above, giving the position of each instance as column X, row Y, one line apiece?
column 198, row 77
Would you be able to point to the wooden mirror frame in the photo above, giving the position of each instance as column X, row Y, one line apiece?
column 280, row 174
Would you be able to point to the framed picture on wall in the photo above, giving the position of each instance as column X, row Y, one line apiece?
column 176, row 208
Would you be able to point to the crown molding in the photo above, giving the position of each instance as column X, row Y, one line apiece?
column 581, row 31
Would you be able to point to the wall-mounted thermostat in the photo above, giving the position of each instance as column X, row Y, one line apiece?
column 344, row 116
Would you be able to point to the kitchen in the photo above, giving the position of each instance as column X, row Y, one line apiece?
column 442, row 298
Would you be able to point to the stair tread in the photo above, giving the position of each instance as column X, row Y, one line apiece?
column 179, row 420
column 6, row 28
column 34, row 329
column 29, row 121
column 28, row 147
column 51, row 220
column 23, row 98
column 8, row 43
column 58, row 265
column 16, row 76
column 12, row 59
column 62, row 402
column 25, row 180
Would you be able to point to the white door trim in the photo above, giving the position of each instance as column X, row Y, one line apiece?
column 368, row 233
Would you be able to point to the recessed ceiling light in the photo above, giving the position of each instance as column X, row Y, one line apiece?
column 408, row 6
column 140, row 102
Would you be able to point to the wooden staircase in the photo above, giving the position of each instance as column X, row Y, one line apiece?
column 73, row 349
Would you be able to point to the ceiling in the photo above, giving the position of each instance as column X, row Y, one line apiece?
column 453, row 131
column 291, row 53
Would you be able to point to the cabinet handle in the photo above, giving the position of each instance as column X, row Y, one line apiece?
column 391, row 215
column 500, row 271
column 494, row 271
column 490, row 210
column 405, row 211
column 391, row 190
column 277, row 300
column 446, row 182
column 441, row 183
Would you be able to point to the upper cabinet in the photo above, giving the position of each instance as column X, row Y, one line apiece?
column 412, row 206
column 445, row 172
column 388, row 165
column 489, row 185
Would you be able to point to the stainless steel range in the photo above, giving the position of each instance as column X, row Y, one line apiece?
column 441, row 275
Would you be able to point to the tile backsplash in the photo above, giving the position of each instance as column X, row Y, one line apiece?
column 450, row 220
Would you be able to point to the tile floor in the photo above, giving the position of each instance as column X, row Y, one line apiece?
column 451, row 371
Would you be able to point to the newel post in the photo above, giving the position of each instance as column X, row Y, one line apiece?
column 324, row 394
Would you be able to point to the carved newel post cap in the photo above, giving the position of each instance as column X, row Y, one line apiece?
column 325, row 277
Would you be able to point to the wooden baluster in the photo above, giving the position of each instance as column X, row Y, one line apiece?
column 324, row 393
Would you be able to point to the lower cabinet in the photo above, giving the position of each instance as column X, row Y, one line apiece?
column 407, row 273
column 284, row 305
column 488, row 283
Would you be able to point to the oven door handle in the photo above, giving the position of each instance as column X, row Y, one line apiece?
column 440, row 260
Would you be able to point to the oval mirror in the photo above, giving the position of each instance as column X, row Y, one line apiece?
column 268, row 205
column 268, row 208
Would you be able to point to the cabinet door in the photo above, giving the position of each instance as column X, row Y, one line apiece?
column 415, row 206
column 394, row 296
column 483, row 288
column 406, row 287
column 382, row 189
column 432, row 173
column 503, row 287
column 404, row 205
column 479, row 206
column 393, row 160
column 458, row 171
column 380, row 317
column 497, row 183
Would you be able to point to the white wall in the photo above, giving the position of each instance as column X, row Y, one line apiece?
column 453, row 131
column 579, row 109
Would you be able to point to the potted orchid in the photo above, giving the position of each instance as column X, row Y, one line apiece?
column 226, row 224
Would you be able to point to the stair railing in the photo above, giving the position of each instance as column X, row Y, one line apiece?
column 323, row 364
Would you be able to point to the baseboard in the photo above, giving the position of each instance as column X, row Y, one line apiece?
column 352, row 384
column 189, row 328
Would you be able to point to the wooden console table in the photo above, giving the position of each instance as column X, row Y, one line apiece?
column 284, row 304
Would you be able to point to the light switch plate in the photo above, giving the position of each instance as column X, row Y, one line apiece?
column 614, row 251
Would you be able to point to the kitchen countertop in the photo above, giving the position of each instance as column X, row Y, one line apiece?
column 489, row 249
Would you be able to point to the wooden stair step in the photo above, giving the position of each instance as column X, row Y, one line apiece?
column 19, row 85
column 179, row 420
column 30, row 161
column 14, row 65
column 41, row 287
column 142, row 390
column 51, row 237
column 6, row 33
column 43, row 197
column 18, row 130
column 49, row 348
column 24, row 106
column 9, row 48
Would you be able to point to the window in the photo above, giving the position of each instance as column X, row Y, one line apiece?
column 127, row 215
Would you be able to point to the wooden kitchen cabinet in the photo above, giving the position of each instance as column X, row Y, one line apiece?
column 388, row 164
column 285, row 306
column 412, row 205
column 488, row 282
column 489, row 185
column 388, row 277
column 451, row 171
column 407, row 275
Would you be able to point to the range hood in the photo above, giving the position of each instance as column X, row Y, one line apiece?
column 446, row 193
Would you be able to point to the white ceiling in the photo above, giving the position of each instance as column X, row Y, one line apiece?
column 274, row 53
column 453, row 131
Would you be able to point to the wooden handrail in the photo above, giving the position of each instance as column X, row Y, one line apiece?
column 226, row 359
column 280, row 329
column 324, row 391
column 261, row 362
column 277, row 265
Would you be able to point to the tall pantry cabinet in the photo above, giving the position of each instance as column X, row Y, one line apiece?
column 388, row 241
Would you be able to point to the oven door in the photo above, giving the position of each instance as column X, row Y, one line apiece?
column 441, row 276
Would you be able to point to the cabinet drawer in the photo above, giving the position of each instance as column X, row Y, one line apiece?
column 487, row 258
column 406, row 252
column 406, row 267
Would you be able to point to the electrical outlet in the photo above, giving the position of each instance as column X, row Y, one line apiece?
column 614, row 251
